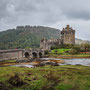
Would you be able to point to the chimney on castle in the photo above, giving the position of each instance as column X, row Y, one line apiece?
column 67, row 27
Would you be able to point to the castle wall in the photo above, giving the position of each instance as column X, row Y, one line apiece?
column 69, row 38
column 47, row 44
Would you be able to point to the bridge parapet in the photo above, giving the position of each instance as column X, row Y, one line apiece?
column 21, row 54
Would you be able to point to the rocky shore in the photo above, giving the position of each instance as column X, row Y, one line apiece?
column 34, row 63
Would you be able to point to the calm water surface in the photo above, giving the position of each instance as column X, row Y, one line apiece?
column 85, row 62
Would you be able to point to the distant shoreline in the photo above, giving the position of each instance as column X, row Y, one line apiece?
column 69, row 56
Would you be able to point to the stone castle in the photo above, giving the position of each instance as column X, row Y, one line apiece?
column 67, row 36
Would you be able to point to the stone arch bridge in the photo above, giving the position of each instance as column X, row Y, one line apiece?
column 21, row 54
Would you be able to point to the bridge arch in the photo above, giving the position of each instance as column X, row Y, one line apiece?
column 27, row 55
column 35, row 55
column 40, row 55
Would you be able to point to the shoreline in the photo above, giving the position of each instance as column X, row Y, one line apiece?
column 10, row 62
column 69, row 56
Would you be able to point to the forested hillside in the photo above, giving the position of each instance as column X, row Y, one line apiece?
column 25, row 37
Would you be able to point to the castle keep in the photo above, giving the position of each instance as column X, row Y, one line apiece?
column 67, row 36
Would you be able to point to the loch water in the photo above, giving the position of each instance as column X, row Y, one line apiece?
column 75, row 61
column 84, row 61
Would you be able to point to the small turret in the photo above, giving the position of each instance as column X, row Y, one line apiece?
column 67, row 27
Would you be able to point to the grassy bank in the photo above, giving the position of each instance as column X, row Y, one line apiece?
column 68, row 56
column 59, row 51
column 64, row 53
column 8, row 61
column 45, row 78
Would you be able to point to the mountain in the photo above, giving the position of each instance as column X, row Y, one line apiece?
column 26, row 36
column 80, row 41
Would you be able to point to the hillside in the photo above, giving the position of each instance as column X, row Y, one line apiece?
column 28, row 36
column 79, row 41
column 24, row 37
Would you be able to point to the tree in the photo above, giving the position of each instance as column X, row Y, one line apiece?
column 27, row 47
column 85, row 47
column 47, row 52
column 56, row 50
column 76, row 47
column 73, row 51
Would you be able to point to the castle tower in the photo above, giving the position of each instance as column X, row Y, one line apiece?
column 44, row 44
column 68, row 35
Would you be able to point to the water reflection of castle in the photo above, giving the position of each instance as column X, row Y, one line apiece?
column 67, row 36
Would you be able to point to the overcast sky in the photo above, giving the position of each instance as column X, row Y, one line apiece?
column 52, row 13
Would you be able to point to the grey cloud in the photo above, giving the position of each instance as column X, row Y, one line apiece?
column 79, row 9
column 79, row 15
column 43, row 12
column 3, row 8
column 69, row 8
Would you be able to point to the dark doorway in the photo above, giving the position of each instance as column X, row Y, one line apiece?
column 34, row 55
column 40, row 55
column 27, row 55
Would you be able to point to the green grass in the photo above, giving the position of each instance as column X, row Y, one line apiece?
column 64, row 56
column 59, row 51
column 66, row 77
column 8, row 61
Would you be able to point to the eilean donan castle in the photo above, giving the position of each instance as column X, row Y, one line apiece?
column 67, row 36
